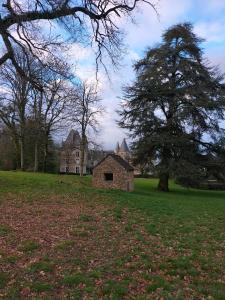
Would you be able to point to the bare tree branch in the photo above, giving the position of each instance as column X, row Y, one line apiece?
column 85, row 109
column 101, row 14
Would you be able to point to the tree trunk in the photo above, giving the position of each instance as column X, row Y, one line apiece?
column 45, row 157
column 82, row 156
column 36, row 156
column 22, row 153
column 82, row 164
column 46, row 143
column 163, row 184
column 17, row 154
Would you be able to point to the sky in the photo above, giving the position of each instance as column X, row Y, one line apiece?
column 208, row 18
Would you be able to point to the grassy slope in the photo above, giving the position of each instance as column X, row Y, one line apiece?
column 109, row 244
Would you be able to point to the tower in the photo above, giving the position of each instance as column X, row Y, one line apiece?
column 123, row 150
column 71, row 154
column 117, row 148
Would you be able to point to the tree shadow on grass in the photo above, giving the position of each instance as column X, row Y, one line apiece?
column 176, row 191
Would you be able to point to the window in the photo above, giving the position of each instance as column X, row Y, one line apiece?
column 67, row 169
column 77, row 170
column 77, row 154
column 108, row 176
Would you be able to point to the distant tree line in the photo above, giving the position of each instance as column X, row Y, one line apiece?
column 30, row 116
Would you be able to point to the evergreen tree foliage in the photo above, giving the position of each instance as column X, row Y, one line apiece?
column 174, row 107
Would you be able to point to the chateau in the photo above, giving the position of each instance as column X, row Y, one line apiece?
column 71, row 153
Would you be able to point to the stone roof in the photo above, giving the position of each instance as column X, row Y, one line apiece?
column 119, row 159
column 124, row 147
column 117, row 148
column 73, row 138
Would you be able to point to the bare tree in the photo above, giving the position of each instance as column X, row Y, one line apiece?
column 9, row 119
column 55, row 102
column 92, row 21
column 21, row 102
column 7, row 149
column 48, row 103
column 48, row 107
column 85, row 110
column 36, row 112
column 14, row 101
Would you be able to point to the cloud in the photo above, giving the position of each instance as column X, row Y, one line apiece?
column 212, row 32
column 216, row 57
column 212, row 6
column 149, row 26
column 80, row 53
column 146, row 32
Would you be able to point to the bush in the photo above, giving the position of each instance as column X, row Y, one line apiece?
column 200, row 183
column 213, row 185
column 188, row 182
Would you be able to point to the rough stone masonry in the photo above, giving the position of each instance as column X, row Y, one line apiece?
column 113, row 172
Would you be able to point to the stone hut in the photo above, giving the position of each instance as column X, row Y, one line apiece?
column 113, row 172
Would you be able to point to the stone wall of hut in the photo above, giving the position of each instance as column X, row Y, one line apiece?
column 122, row 178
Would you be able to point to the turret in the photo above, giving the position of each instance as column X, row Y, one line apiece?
column 124, row 147
column 117, row 148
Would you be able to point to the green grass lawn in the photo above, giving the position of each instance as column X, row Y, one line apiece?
column 62, row 239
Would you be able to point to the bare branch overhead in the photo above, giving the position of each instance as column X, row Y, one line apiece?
column 84, row 20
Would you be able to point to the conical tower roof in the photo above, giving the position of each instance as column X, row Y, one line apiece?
column 73, row 138
column 124, row 147
column 117, row 148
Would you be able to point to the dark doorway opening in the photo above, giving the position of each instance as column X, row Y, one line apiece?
column 108, row 176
